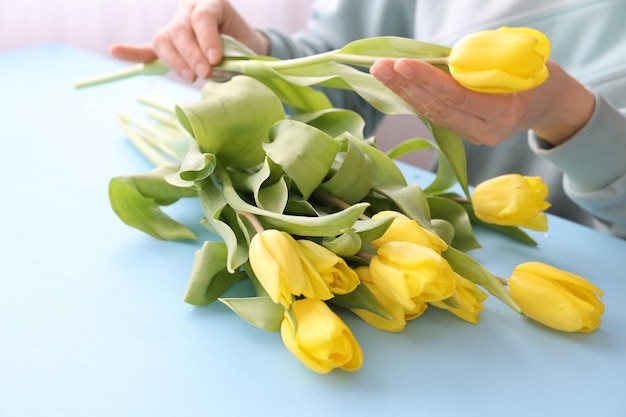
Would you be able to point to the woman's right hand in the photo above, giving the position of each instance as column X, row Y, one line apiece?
column 190, row 43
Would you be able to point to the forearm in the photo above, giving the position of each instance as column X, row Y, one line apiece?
column 594, row 164
column 568, row 108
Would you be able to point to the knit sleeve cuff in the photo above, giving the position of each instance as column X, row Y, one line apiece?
column 596, row 155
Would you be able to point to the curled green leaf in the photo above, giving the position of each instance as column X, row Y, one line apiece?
column 304, row 153
column 137, row 199
column 232, row 123
column 261, row 312
column 209, row 277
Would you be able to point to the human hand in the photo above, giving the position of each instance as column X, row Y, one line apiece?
column 555, row 110
column 190, row 43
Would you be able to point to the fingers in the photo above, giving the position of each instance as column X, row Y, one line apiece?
column 479, row 118
column 206, row 26
column 133, row 53
column 190, row 44
column 177, row 46
column 412, row 81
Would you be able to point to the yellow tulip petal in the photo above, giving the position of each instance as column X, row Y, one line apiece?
column 321, row 341
column 500, row 61
column 556, row 298
column 406, row 229
column 512, row 200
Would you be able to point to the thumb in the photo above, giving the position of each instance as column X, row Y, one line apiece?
column 133, row 53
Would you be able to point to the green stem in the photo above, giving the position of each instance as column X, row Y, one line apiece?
column 365, row 255
column 156, row 67
column 335, row 201
column 238, row 65
column 158, row 104
column 368, row 61
column 254, row 221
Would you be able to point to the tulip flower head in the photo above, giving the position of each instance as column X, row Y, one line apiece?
column 333, row 270
column 506, row 60
column 512, row 200
column 404, row 229
column 467, row 300
column 410, row 274
column 556, row 298
column 319, row 338
column 275, row 259
column 395, row 311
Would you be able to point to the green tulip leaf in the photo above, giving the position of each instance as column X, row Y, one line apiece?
column 325, row 225
column 410, row 200
column 225, row 223
column 209, row 277
column 304, row 153
column 386, row 172
column 451, row 146
column 394, row 47
column 196, row 166
column 334, row 122
column 232, row 123
column 444, row 229
column 372, row 229
column 339, row 76
column 361, row 298
column 454, row 213
column 445, row 177
column 137, row 199
column 354, row 177
column 470, row 269
column 261, row 312
column 346, row 244
column 299, row 98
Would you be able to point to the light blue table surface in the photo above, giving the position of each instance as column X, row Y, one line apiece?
column 92, row 321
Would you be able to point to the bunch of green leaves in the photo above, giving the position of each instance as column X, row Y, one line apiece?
column 267, row 149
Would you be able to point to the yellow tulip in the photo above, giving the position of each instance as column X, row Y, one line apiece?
column 336, row 274
column 404, row 229
column 512, row 200
column 319, row 338
column 556, row 298
column 275, row 259
column 395, row 311
column 506, row 60
column 409, row 274
column 468, row 299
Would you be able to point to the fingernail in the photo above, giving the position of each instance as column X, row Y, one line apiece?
column 187, row 75
column 202, row 70
column 383, row 72
column 214, row 56
column 404, row 69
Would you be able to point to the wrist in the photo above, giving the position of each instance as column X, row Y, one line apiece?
column 569, row 109
column 261, row 44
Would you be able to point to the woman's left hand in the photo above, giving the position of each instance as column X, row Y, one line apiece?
column 555, row 110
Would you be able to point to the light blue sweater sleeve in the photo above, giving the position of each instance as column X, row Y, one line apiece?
column 594, row 166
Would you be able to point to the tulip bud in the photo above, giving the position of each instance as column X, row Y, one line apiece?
column 404, row 229
column 466, row 303
column 395, row 311
column 319, row 338
column 333, row 270
column 556, row 298
column 512, row 200
column 506, row 60
column 409, row 273
column 275, row 259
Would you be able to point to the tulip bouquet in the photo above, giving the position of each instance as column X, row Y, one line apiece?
column 317, row 218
